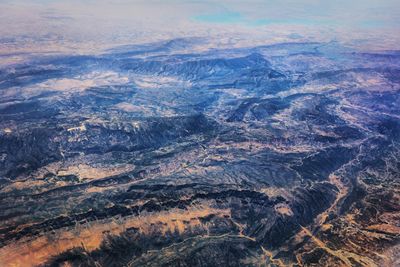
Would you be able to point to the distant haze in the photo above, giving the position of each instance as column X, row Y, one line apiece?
column 104, row 23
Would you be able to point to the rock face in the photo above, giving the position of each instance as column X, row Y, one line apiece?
column 147, row 156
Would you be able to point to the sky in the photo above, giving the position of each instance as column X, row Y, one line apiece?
column 91, row 22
